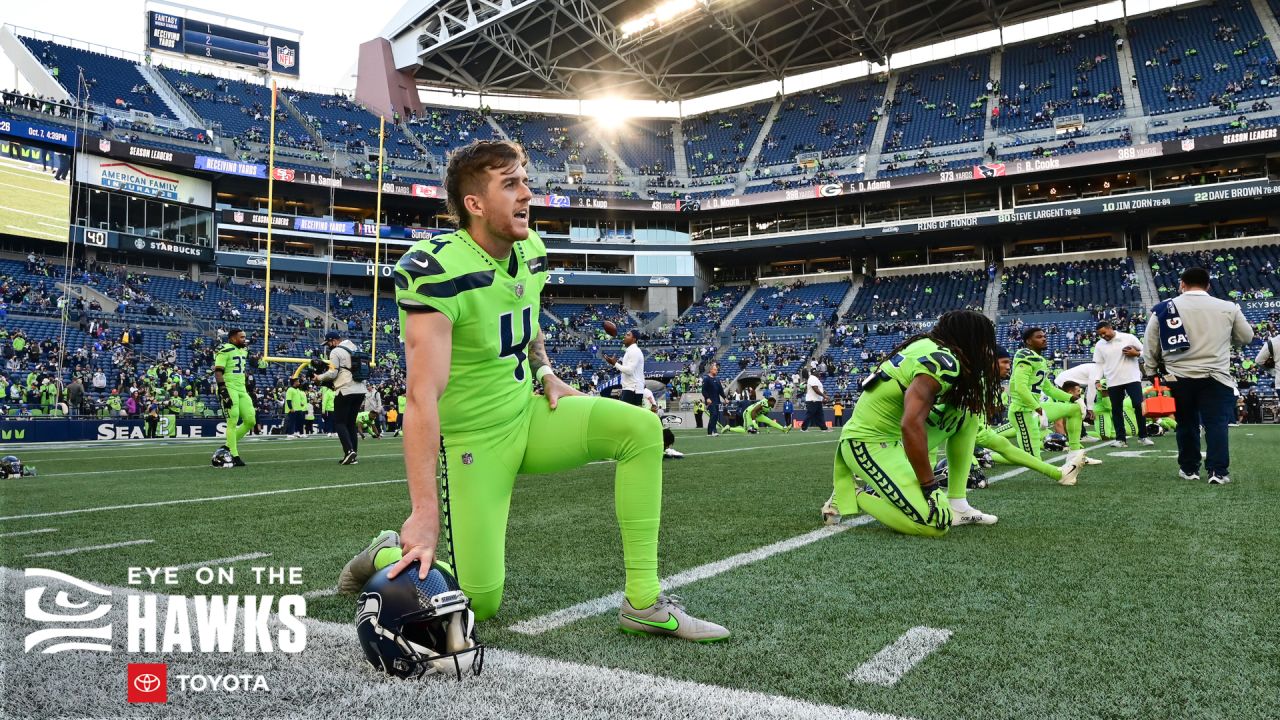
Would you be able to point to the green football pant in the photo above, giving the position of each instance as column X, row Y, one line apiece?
column 1072, row 414
column 898, row 501
column 240, row 418
column 1023, row 427
column 1005, row 452
column 749, row 424
column 480, row 469
column 1107, row 431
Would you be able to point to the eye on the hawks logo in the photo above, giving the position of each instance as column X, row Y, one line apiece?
column 86, row 629
column 285, row 56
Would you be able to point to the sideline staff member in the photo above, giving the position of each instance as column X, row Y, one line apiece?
column 631, row 368
column 1116, row 355
column 1188, row 342
column 350, row 392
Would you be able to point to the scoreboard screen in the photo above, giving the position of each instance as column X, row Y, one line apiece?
column 201, row 39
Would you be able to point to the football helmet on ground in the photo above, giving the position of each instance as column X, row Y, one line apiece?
column 222, row 458
column 411, row 628
column 1055, row 442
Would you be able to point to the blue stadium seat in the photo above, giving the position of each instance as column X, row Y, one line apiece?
column 1074, row 73
column 1195, row 56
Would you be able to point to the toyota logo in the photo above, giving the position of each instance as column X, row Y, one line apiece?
column 146, row 683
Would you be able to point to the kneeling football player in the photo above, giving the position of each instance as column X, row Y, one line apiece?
column 469, row 305
column 931, row 392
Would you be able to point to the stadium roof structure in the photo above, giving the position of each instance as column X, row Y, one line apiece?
column 580, row 49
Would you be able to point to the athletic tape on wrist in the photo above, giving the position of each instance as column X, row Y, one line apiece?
column 542, row 372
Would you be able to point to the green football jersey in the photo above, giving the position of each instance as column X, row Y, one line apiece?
column 759, row 407
column 877, row 417
column 494, row 306
column 1029, row 379
column 233, row 361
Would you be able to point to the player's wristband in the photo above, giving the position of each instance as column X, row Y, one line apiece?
column 542, row 372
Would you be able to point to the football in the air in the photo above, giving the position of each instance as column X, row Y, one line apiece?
column 611, row 327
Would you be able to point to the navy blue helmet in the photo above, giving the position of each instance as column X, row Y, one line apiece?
column 411, row 628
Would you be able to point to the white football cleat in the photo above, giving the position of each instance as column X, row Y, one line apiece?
column 1089, row 439
column 830, row 513
column 1188, row 476
column 1071, row 470
column 972, row 516
column 672, row 453
column 668, row 617
column 1147, row 441
column 1088, row 460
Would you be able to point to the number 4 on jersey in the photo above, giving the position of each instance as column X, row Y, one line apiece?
column 511, row 348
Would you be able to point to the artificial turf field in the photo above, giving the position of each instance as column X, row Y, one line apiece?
column 1132, row 595
column 31, row 202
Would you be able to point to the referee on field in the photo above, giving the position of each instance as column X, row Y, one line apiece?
column 631, row 367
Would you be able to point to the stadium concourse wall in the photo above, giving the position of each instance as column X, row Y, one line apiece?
column 19, row 430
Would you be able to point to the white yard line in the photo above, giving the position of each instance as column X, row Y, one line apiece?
column 322, row 592
column 32, row 214
column 220, row 561
column 73, row 551
column 589, row 608
column 887, row 667
column 31, row 189
column 185, row 501
column 560, row 618
column 191, row 467
column 28, row 532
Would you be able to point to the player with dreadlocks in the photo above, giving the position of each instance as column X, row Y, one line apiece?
column 932, row 390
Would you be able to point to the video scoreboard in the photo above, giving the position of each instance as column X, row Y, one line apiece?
column 200, row 39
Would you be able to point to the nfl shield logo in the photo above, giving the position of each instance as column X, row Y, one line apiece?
column 1188, row 144
column 104, row 145
column 518, row 289
column 285, row 56
column 467, row 459
column 239, row 217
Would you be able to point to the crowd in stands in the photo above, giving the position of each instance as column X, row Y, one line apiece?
column 917, row 297
column 1247, row 273
column 1081, row 286
column 1073, row 73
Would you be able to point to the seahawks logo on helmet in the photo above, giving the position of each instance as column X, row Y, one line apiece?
column 411, row 628
column 977, row 479
column 11, row 466
column 1155, row 429
column 222, row 458
column 1055, row 442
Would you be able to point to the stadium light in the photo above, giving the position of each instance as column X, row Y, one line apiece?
column 659, row 15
